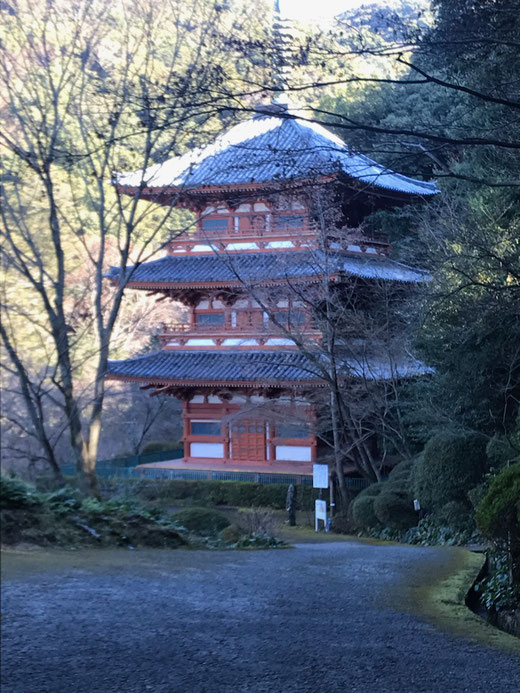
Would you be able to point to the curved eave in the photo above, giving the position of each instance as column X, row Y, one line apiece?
column 278, row 384
column 379, row 190
column 194, row 190
column 180, row 286
column 147, row 286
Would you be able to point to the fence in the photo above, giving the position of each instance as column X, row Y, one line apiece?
column 123, row 467
column 196, row 475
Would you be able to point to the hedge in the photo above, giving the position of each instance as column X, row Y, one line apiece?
column 237, row 493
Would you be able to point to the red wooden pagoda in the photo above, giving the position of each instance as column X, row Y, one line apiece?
column 257, row 238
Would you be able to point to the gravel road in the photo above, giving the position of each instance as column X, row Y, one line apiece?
column 320, row 618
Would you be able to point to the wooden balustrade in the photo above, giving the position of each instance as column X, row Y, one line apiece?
column 351, row 240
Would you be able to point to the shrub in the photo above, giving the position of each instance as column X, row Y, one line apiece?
column 498, row 514
column 341, row 524
column 495, row 590
column 15, row 493
column 361, row 509
column 65, row 517
column 449, row 467
column 402, row 472
column 500, row 451
column 257, row 521
column 202, row 521
column 363, row 512
column 393, row 507
column 456, row 515
column 231, row 534
column 429, row 532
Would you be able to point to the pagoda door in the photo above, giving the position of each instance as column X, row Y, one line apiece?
column 248, row 441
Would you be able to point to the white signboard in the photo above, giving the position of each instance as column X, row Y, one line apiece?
column 320, row 476
column 320, row 508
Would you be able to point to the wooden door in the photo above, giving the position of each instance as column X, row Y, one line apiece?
column 248, row 441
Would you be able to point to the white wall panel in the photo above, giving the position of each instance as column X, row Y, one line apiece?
column 293, row 453
column 212, row 450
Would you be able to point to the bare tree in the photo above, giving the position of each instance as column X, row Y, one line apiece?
column 90, row 88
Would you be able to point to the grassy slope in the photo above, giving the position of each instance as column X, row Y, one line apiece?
column 440, row 598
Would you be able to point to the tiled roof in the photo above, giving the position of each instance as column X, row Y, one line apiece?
column 239, row 268
column 215, row 366
column 269, row 148
column 271, row 367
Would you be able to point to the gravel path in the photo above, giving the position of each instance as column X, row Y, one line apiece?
column 319, row 619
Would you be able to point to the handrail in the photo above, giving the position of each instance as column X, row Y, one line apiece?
column 186, row 328
column 199, row 234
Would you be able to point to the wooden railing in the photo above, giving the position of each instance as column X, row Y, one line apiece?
column 301, row 237
column 182, row 333
column 246, row 330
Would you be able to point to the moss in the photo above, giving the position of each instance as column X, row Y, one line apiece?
column 441, row 598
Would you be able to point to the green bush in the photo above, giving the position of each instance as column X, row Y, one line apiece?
column 456, row 515
column 498, row 514
column 429, row 532
column 371, row 491
column 202, row 521
column 65, row 518
column 402, row 472
column 15, row 493
column 448, row 468
column 393, row 507
column 363, row 512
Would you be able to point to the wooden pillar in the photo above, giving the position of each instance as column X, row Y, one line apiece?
column 270, row 443
column 227, row 434
column 186, row 426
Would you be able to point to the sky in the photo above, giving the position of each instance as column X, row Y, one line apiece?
column 316, row 10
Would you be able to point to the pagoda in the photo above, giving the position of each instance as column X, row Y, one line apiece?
column 237, row 364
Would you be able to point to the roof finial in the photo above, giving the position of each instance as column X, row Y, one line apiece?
column 281, row 62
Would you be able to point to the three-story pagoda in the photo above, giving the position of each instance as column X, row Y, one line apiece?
column 259, row 245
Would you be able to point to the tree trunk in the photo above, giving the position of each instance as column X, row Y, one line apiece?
column 338, row 457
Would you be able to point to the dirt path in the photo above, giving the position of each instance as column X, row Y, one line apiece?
column 320, row 618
